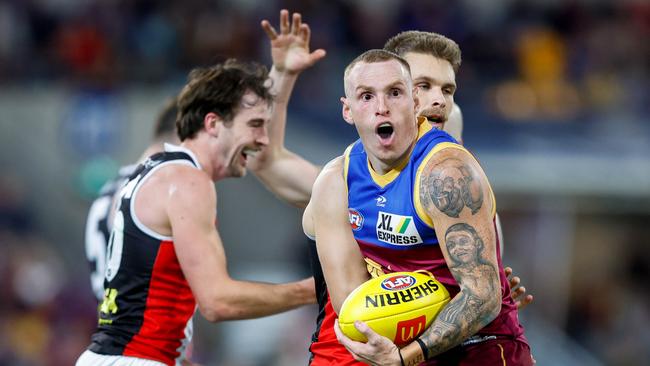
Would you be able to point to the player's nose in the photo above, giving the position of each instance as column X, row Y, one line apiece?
column 438, row 98
column 382, row 107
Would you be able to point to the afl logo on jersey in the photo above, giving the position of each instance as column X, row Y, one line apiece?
column 356, row 219
column 397, row 283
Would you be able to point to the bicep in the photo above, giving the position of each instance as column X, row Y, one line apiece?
column 457, row 197
column 192, row 214
column 339, row 254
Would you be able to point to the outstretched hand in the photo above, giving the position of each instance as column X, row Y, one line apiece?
column 290, row 47
column 378, row 351
column 517, row 292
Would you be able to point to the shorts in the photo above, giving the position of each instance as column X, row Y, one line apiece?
column 498, row 351
column 89, row 358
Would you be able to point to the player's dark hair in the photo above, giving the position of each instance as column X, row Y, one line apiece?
column 218, row 89
column 165, row 124
column 429, row 43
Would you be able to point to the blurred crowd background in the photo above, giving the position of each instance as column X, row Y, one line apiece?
column 555, row 99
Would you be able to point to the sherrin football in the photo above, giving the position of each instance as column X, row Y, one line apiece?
column 399, row 306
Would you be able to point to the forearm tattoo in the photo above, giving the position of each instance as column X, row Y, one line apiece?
column 470, row 310
column 451, row 186
column 448, row 186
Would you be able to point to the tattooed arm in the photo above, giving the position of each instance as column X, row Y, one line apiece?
column 457, row 197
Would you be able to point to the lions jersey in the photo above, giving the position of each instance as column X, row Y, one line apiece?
column 98, row 230
column 147, row 304
column 395, row 234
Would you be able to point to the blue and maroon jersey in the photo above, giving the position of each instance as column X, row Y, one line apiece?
column 148, row 305
column 395, row 234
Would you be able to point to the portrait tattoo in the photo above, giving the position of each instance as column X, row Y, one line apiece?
column 464, row 244
column 469, row 310
column 450, row 186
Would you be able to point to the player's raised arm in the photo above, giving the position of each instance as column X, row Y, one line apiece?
column 200, row 252
column 327, row 219
column 283, row 172
column 457, row 197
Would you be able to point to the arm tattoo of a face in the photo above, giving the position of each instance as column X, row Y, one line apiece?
column 465, row 313
column 447, row 196
column 472, row 194
column 450, row 186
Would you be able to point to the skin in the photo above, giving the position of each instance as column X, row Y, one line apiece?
column 436, row 101
column 435, row 82
column 289, row 175
column 165, row 205
column 368, row 105
column 479, row 300
column 283, row 172
column 179, row 201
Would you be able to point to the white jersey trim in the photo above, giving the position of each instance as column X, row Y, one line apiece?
column 182, row 349
column 177, row 148
column 144, row 228
column 311, row 237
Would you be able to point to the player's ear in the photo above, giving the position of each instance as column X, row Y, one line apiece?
column 212, row 123
column 345, row 111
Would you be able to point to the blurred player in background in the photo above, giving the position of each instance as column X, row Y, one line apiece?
column 165, row 255
column 99, row 223
column 403, row 171
column 291, row 178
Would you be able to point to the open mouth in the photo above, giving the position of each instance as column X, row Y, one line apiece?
column 435, row 119
column 248, row 152
column 385, row 131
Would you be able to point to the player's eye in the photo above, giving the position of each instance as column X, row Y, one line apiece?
column 255, row 123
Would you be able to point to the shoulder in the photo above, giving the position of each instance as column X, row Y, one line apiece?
column 188, row 184
column 329, row 186
column 332, row 173
column 445, row 156
column 448, row 150
column 452, row 178
column 329, row 194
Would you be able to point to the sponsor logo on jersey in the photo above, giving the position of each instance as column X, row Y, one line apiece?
column 397, row 229
column 356, row 219
column 381, row 201
column 401, row 296
column 399, row 282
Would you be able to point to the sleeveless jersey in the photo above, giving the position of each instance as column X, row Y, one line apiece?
column 98, row 231
column 147, row 305
column 395, row 234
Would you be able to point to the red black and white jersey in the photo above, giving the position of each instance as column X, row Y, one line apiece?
column 98, row 230
column 147, row 303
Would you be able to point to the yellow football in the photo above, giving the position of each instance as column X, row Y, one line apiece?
column 399, row 306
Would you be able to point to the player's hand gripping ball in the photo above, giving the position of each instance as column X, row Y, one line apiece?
column 398, row 306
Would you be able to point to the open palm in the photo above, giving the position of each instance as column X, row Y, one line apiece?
column 290, row 48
